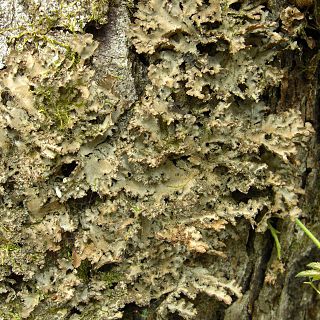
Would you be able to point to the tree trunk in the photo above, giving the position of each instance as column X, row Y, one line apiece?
column 148, row 148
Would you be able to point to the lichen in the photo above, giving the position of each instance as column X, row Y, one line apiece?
column 208, row 48
column 34, row 18
column 110, row 203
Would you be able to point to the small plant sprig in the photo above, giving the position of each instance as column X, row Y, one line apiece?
column 314, row 267
column 274, row 233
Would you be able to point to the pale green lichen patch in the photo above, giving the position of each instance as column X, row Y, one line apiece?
column 208, row 47
column 53, row 89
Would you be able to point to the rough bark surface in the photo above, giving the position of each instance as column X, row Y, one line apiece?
column 145, row 148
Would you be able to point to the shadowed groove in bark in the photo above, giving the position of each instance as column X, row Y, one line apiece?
column 249, row 267
column 265, row 244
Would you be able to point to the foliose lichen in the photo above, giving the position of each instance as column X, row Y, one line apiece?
column 108, row 203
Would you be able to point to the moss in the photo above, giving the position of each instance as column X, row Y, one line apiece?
column 56, row 103
column 15, row 316
column 136, row 209
column 71, row 15
column 10, row 311
column 66, row 251
column 98, row 10
column 84, row 271
column 11, row 316
column 7, row 251
column 111, row 277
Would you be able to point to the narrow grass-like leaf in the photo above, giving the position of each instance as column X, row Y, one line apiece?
column 308, row 233
column 276, row 239
column 314, row 265
column 314, row 274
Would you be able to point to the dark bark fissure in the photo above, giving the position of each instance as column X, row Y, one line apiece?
column 250, row 253
column 317, row 104
column 264, row 245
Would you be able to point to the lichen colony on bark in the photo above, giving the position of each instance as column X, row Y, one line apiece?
column 113, row 196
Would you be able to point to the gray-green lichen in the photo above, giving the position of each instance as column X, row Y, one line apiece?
column 106, row 203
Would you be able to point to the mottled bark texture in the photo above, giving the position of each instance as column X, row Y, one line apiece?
column 145, row 148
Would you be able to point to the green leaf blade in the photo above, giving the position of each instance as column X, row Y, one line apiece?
column 314, row 274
